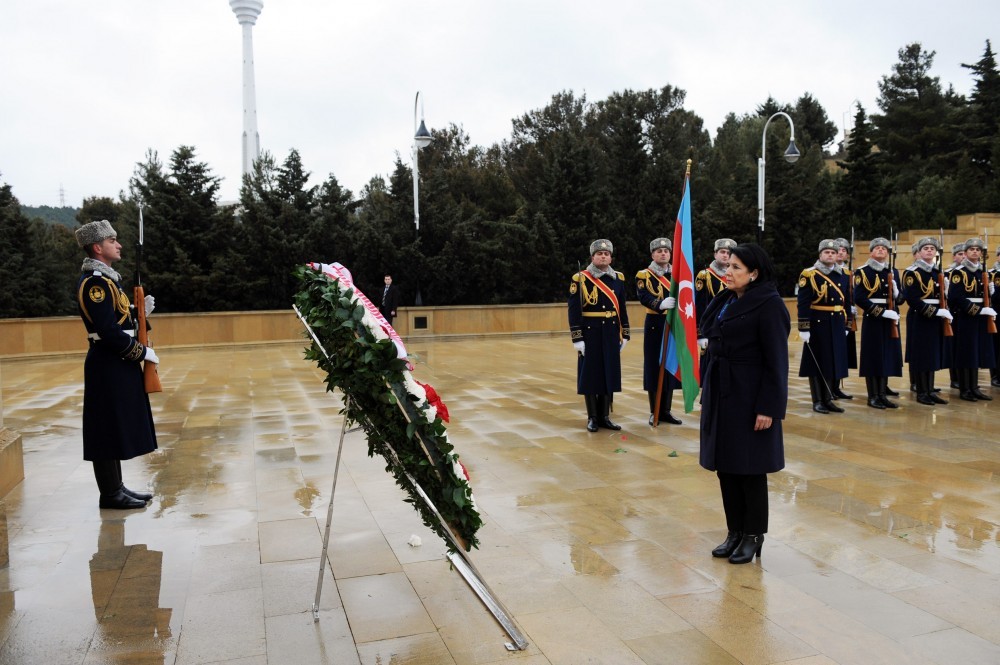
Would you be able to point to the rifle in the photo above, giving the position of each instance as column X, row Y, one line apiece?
column 890, row 300
column 943, row 304
column 852, row 323
column 991, row 324
column 151, row 377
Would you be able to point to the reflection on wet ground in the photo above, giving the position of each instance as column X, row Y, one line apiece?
column 883, row 544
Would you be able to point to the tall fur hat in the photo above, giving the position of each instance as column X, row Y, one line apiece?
column 828, row 243
column 923, row 242
column 94, row 232
column 975, row 242
column 660, row 243
column 601, row 245
column 725, row 243
column 958, row 247
column 876, row 242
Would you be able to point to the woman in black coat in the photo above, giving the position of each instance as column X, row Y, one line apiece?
column 744, row 395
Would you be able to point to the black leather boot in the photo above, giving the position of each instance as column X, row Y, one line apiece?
column 817, row 395
column 955, row 376
column 728, row 546
column 883, row 391
column 603, row 411
column 665, row 416
column 120, row 501
column 974, row 386
column 748, row 548
column 872, row 387
column 889, row 391
column 838, row 392
column 142, row 496
column 933, row 392
column 828, row 397
column 591, row 401
column 965, row 385
column 923, row 389
column 995, row 378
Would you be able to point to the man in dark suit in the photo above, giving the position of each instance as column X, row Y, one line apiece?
column 390, row 300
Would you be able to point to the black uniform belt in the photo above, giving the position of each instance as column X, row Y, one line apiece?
column 600, row 315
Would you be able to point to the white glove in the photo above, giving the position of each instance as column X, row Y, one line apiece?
column 580, row 347
column 993, row 287
column 895, row 290
column 804, row 334
column 622, row 346
column 150, row 303
column 944, row 314
column 847, row 333
column 892, row 315
column 151, row 356
column 988, row 311
column 668, row 303
column 702, row 343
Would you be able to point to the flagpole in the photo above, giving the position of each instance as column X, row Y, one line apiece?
column 666, row 325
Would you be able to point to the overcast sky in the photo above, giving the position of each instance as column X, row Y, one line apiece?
column 88, row 87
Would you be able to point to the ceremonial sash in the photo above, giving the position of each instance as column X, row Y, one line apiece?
column 606, row 290
column 831, row 283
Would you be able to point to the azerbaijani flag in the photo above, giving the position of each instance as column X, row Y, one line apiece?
column 681, row 329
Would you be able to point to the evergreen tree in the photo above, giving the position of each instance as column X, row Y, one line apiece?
column 859, row 187
column 982, row 128
column 22, row 281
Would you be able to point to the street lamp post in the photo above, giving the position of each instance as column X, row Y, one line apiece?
column 421, row 139
column 791, row 156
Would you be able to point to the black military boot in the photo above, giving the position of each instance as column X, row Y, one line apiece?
column 974, row 386
column 883, row 391
column 110, row 486
column 828, row 397
column 955, row 377
column 872, row 384
column 591, row 401
column 965, row 385
column 665, row 416
column 889, row 391
column 995, row 378
column 817, row 395
column 923, row 388
column 142, row 496
column 603, row 411
column 933, row 392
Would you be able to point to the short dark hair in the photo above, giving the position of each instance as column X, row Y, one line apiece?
column 754, row 257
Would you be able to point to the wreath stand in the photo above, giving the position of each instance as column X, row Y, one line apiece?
column 459, row 558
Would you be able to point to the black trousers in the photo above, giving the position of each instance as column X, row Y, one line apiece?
column 744, row 498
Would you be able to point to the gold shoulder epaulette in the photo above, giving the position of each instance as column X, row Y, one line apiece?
column 642, row 274
column 621, row 275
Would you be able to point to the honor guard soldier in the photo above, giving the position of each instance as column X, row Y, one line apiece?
column 598, row 325
column 652, row 286
column 925, row 320
column 709, row 282
column 851, row 338
column 117, row 420
column 957, row 256
column 822, row 325
column 972, row 347
column 995, row 280
column 876, row 292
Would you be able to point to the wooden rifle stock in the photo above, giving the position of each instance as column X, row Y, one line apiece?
column 151, row 378
column 943, row 304
column 891, row 301
column 991, row 324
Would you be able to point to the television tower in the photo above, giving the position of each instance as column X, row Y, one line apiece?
column 247, row 12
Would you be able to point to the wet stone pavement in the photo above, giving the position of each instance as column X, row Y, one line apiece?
column 883, row 542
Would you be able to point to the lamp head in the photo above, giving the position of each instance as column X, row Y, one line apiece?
column 423, row 137
column 792, row 153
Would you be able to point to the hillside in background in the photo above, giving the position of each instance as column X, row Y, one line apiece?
column 65, row 216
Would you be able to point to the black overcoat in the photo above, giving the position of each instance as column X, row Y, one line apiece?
column 601, row 322
column 881, row 354
column 924, row 328
column 117, row 420
column 972, row 345
column 651, row 291
column 747, row 375
column 821, row 313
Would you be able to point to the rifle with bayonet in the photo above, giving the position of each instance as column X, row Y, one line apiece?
column 151, row 377
column 991, row 324
column 890, row 299
column 852, row 320
column 943, row 287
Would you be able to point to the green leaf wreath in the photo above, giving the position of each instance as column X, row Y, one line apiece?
column 383, row 402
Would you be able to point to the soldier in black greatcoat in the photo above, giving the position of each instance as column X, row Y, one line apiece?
column 876, row 287
column 972, row 344
column 822, row 325
column 711, row 281
column 957, row 256
column 851, row 339
column 995, row 281
column 652, row 286
column 117, row 420
column 925, row 320
column 598, row 325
